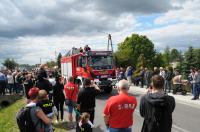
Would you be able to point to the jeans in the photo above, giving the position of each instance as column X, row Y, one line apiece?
column 119, row 130
column 168, row 85
column 10, row 88
column 59, row 107
column 129, row 80
column 2, row 87
column 196, row 90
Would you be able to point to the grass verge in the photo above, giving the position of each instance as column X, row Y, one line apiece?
column 8, row 117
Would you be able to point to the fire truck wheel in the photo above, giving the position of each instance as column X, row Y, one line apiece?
column 108, row 89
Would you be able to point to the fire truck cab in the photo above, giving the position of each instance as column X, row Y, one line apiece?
column 96, row 65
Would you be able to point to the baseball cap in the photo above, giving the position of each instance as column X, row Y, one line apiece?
column 33, row 92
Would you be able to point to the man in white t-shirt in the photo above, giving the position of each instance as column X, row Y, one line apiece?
column 53, row 82
column 10, row 80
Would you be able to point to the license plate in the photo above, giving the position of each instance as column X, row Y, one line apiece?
column 104, row 76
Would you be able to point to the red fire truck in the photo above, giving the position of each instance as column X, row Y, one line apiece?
column 96, row 65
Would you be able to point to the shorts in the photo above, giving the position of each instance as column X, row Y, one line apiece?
column 119, row 130
column 70, row 109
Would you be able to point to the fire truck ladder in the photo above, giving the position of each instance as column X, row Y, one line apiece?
column 110, row 42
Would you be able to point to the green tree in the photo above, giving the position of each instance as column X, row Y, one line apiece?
column 10, row 63
column 189, row 60
column 174, row 55
column 51, row 64
column 166, row 56
column 197, row 58
column 58, row 60
column 158, row 60
column 181, row 61
column 134, row 47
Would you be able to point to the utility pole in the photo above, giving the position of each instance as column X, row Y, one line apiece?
column 110, row 42
column 40, row 61
column 55, row 55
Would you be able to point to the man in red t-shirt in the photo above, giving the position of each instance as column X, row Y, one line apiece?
column 118, row 112
column 71, row 92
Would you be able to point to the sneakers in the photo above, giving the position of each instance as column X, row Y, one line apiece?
column 62, row 120
column 194, row 98
column 56, row 121
column 71, row 125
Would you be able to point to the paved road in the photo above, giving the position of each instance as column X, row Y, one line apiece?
column 185, row 117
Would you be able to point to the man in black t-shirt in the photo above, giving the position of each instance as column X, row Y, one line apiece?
column 86, row 98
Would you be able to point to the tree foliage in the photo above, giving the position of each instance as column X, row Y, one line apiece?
column 174, row 55
column 197, row 58
column 136, row 50
column 166, row 56
column 158, row 60
column 58, row 60
column 51, row 64
column 10, row 63
column 189, row 60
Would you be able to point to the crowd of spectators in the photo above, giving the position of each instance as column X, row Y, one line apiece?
column 174, row 81
column 20, row 81
column 47, row 94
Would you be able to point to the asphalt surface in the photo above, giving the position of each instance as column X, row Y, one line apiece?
column 185, row 117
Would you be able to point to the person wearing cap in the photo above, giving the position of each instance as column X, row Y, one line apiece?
column 119, row 109
column 36, row 112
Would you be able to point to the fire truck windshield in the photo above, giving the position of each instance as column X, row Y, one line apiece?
column 100, row 62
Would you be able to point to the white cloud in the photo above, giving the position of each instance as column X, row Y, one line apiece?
column 189, row 13
column 178, row 36
column 34, row 29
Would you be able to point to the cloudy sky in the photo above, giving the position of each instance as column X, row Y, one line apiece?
column 34, row 29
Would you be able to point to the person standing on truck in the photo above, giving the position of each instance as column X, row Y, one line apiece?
column 81, row 50
column 87, row 48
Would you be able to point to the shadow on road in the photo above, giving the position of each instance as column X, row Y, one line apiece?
column 61, row 126
column 97, row 129
column 64, row 126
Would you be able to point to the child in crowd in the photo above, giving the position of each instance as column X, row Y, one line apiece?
column 46, row 105
column 85, row 125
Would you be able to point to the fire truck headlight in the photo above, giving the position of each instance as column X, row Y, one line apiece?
column 110, row 79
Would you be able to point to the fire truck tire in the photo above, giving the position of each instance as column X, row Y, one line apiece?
column 108, row 89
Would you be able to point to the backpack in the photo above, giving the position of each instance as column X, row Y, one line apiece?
column 157, row 117
column 24, row 120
